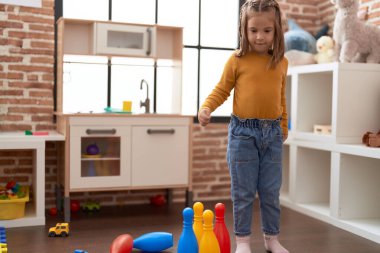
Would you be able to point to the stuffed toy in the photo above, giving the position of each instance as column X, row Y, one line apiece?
column 325, row 49
column 297, row 38
column 354, row 39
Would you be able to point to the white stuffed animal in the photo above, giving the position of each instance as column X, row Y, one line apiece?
column 354, row 38
column 325, row 49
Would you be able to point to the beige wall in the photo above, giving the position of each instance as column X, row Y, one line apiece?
column 26, row 99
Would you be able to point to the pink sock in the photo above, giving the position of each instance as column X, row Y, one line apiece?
column 272, row 244
column 243, row 244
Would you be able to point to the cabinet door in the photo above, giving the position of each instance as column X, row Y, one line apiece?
column 160, row 155
column 99, row 156
column 122, row 39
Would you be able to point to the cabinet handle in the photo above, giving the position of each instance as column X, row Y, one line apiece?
column 160, row 131
column 149, row 49
column 101, row 131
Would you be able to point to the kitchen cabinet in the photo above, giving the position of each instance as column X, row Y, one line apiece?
column 334, row 177
column 143, row 151
column 167, row 148
column 107, row 166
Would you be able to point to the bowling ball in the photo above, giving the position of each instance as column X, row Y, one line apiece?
column 122, row 244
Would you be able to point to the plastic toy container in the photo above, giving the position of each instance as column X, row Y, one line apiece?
column 14, row 208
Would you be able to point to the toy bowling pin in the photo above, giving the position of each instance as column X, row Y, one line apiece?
column 198, row 220
column 220, row 229
column 187, row 242
column 154, row 241
column 209, row 243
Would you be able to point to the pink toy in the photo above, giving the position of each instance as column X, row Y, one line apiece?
column 40, row 133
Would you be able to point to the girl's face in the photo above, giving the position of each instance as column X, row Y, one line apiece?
column 260, row 31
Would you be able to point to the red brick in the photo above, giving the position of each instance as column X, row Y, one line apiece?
column 31, row 85
column 11, row 92
column 11, row 59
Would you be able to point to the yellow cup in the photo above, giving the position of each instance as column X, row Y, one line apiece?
column 127, row 106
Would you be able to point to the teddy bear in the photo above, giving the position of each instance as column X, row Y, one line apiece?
column 325, row 50
column 354, row 39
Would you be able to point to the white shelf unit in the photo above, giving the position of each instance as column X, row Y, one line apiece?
column 333, row 177
column 35, row 207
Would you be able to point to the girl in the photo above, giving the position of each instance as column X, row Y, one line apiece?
column 258, row 126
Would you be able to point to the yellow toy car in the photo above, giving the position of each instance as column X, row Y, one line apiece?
column 60, row 229
column 3, row 248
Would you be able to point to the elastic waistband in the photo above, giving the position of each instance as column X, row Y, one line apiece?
column 255, row 123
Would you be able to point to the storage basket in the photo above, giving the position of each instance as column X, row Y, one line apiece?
column 14, row 208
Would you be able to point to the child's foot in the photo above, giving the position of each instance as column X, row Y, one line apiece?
column 242, row 244
column 272, row 244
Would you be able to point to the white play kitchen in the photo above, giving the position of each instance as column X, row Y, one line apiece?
column 116, row 150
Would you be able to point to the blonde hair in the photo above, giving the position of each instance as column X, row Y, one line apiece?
column 246, row 12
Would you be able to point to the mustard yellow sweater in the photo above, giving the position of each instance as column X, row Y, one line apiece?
column 259, row 92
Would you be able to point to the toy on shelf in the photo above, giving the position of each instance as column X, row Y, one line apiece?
column 355, row 41
column 325, row 49
column 92, row 149
column 13, row 198
column 322, row 129
column 60, row 229
column 371, row 140
column 297, row 38
column 36, row 133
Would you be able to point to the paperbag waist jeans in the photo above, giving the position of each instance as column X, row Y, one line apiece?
column 254, row 156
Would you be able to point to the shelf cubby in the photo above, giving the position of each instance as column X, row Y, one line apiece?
column 313, row 179
column 314, row 104
column 359, row 176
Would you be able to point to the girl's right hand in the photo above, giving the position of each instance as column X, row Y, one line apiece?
column 204, row 116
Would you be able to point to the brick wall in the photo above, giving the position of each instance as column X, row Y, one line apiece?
column 26, row 100
column 27, row 67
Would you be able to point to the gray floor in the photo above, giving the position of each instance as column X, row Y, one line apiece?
column 95, row 232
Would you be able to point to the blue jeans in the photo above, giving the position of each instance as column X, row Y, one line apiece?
column 254, row 156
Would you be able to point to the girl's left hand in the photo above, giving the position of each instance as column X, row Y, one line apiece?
column 284, row 137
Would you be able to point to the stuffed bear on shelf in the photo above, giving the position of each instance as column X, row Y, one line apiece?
column 325, row 50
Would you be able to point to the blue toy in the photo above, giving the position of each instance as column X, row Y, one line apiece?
column 299, row 39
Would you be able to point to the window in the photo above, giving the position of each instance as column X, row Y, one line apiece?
column 210, row 36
